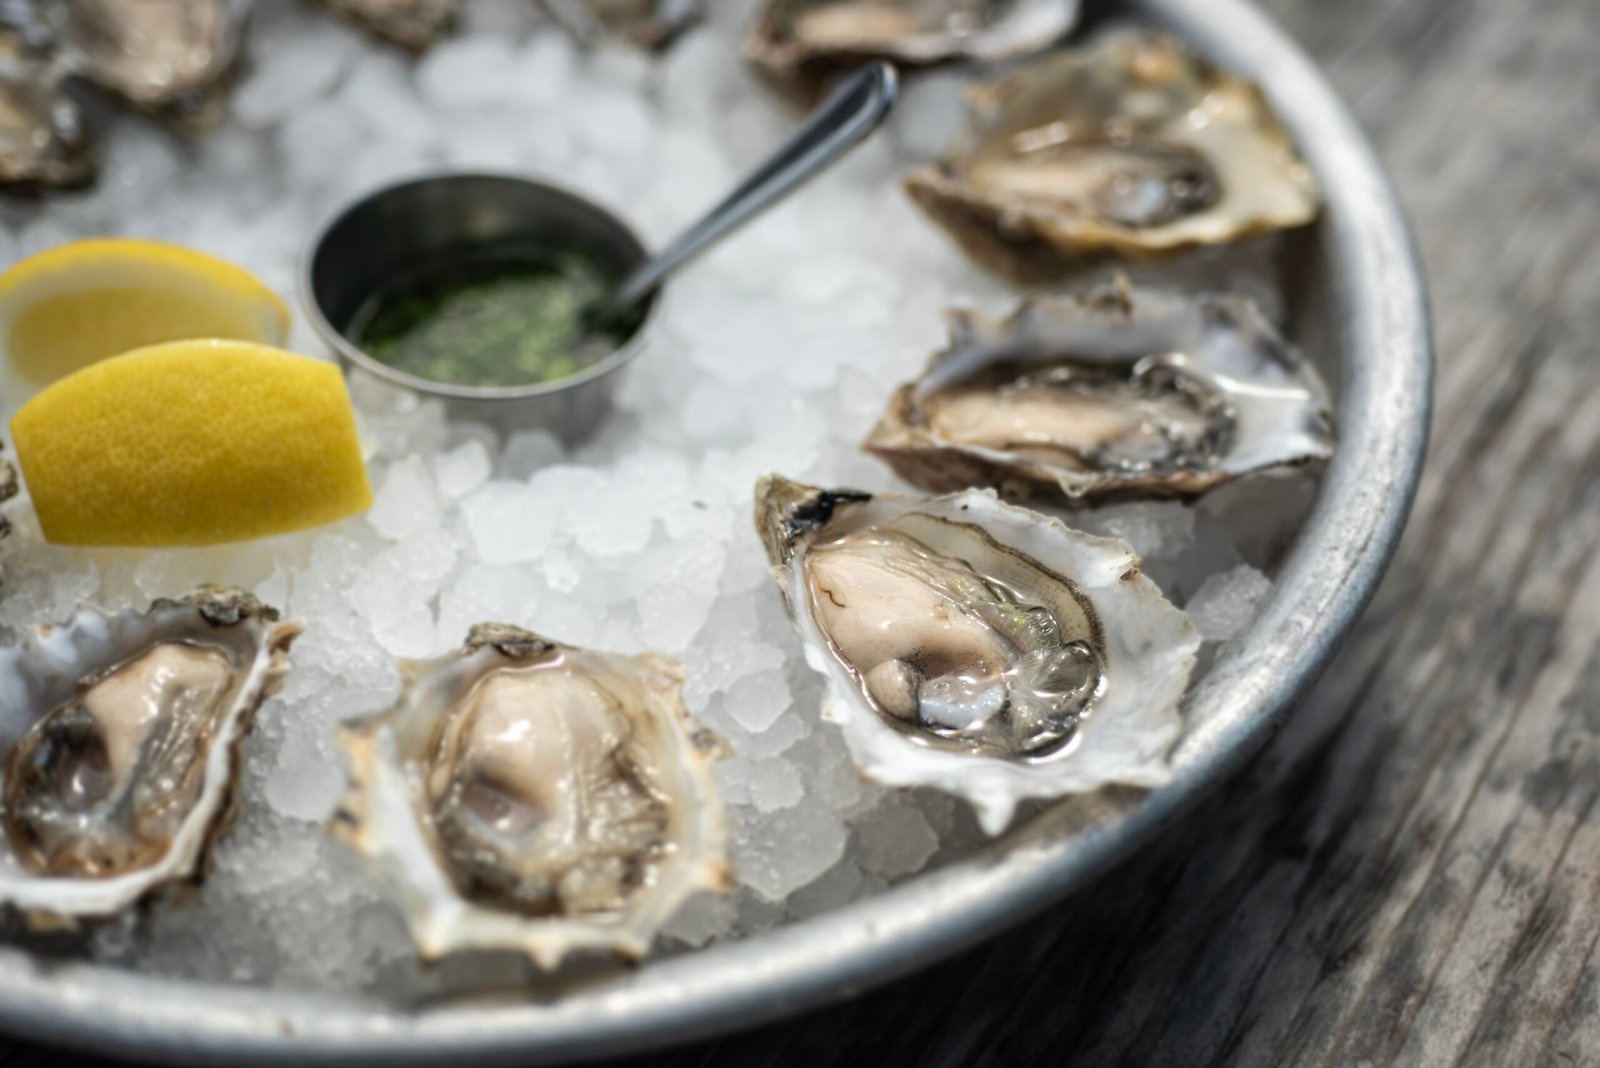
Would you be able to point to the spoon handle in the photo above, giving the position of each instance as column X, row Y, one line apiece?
column 853, row 111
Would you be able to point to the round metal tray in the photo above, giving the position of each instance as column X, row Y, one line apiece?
column 1359, row 302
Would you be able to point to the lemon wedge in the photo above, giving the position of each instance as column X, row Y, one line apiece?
column 191, row 443
column 66, row 308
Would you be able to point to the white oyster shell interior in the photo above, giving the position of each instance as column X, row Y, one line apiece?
column 172, row 57
column 1116, row 393
column 804, row 39
column 413, row 24
column 979, row 648
column 531, row 796
column 121, row 735
column 1133, row 145
column 43, row 139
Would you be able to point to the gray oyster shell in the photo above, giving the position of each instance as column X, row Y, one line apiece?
column 174, row 59
column 411, row 24
column 531, row 796
column 9, row 488
column 121, row 734
column 1134, row 146
column 978, row 648
column 1119, row 393
column 43, row 141
column 800, row 43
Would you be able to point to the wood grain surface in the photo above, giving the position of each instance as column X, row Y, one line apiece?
column 1410, row 874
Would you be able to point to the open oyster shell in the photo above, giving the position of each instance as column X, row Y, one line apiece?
column 532, row 796
column 976, row 647
column 1118, row 393
column 1133, row 146
column 121, row 733
column 9, row 488
column 799, row 43
column 413, row 24
column 172, row 58
column 641, row 23
column 43, row 140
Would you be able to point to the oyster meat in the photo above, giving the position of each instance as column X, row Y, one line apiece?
column 43, row 141
column 172, row 58
column 799, row 43
column 649, row 24
column 1134, row 146
column 532, row 796
column 413, row 24
column 1119, row 393
column 121, row 734
column 976, row 647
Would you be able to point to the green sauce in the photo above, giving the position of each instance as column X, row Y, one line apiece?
column 510, row 320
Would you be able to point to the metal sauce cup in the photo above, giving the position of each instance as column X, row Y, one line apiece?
column 430, row 223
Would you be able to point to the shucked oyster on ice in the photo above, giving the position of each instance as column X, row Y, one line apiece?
column 1118, row 393
column 798, row 43
column 8, row 489
column 1134, row 146
column 976, row 647
column 43, row 141
column 413, row 24
column 532, row 796
column 121, row 735
column 172, row 58
column 642, row 23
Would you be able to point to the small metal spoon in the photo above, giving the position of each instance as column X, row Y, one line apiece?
column 843, row 121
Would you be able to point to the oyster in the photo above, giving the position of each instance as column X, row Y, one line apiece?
column 1114, row 394
column 798, row 43
column 43, row 141
column 121, row 734
column 529, row 795
column 413, row 24
column 9, row 488
column 172, row 58
column 976, row 647
column 642, row 23
column 1135, row 146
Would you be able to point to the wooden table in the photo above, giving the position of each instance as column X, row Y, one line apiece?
column 1409, row 874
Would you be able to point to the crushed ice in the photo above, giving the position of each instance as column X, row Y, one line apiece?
column 776, row 353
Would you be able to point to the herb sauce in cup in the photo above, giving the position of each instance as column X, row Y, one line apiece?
column 511, row 319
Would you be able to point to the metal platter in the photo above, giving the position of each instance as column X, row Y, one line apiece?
column 1359, row 305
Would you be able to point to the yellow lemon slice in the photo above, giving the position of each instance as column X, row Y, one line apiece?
column 73, row 305
column 191, row 443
